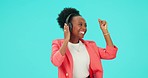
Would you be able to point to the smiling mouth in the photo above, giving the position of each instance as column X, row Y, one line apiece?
column 82, row 32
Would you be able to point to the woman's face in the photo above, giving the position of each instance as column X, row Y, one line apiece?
column 79, row 27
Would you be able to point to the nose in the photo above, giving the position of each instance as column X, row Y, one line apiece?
column 84, row 27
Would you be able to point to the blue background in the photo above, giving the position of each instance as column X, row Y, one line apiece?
column 27, row 28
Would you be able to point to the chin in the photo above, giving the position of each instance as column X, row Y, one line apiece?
column 81, row 37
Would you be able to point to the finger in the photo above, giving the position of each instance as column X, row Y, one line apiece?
column 67, row 28
column 99, row 20
column 65, row 25
column 104, row 23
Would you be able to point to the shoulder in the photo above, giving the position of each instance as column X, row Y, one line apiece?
column 57, row 41
column 89, row 42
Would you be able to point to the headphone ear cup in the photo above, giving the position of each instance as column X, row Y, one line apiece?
column 70, row 27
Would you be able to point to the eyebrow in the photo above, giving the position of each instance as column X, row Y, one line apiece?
column 81, row 22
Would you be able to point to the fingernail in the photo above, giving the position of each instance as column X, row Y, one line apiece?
column 65, row 24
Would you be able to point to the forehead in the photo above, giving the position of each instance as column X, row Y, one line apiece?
column 78, row 19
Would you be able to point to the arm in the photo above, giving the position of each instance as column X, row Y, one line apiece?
column 58, row 51
column 103, row 26
column 110, row 51
column 66, row 40
column 56, row 58
column 107, row 38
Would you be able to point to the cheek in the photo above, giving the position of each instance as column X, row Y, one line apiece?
column 76, row 29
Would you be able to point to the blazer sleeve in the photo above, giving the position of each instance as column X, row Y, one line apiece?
column 107, row 53
column 56, row 57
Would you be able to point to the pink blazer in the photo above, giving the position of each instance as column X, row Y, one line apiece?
column 65, row 63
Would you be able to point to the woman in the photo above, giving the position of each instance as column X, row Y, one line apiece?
column 75, row 57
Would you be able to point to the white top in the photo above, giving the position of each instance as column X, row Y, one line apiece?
column 81, row 60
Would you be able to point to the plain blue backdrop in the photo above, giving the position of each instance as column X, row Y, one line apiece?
column 27, row 28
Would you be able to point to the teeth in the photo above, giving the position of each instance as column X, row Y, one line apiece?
column 81, row 32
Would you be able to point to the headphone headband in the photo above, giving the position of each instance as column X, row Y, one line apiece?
column 68, row 17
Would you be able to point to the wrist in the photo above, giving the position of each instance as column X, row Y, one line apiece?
column 106, row 34
column 104, row 31
column 66, row 40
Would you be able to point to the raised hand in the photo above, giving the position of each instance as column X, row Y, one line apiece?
column 103, row 24
column 66, row 32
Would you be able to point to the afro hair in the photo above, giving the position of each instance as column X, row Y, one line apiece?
column 64, row 14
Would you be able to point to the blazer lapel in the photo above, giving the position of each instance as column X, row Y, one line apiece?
column 95, row 63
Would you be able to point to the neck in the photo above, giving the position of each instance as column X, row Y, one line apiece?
column 74, row 39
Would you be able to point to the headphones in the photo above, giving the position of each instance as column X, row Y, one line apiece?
column 68, row 19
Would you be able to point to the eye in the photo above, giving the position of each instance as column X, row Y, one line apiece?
column 80, row 24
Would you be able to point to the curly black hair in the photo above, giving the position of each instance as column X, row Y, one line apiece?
column 64, row 14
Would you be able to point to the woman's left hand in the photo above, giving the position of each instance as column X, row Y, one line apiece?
column 103, row 24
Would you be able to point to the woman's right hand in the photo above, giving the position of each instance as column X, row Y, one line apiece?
column 66, row 32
